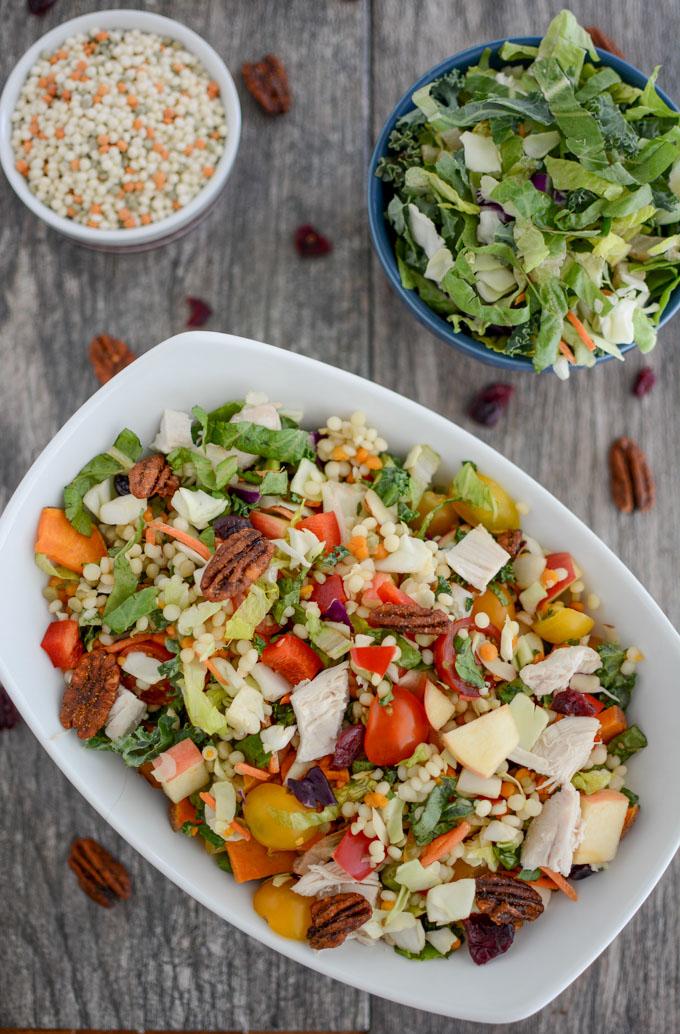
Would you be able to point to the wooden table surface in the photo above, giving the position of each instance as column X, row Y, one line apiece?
column 162, row 961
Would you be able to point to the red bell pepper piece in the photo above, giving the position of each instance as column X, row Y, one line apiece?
column 375, row 659
column 353, row 856
column 331, row 590
column 325, row 527
column 292, row 658
column 62, row 644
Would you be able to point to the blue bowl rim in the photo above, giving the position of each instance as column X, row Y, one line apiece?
column 378, row 225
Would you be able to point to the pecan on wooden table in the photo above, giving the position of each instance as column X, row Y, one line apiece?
column 99, row 875
column 410, row 618
column 108, row 356
column 238, row 562
column 152, row 476
column 335, row 917
column 90, row 694
column 267, row 81
column 632, row 481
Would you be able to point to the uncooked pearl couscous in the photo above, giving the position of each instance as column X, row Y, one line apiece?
column 119, row 128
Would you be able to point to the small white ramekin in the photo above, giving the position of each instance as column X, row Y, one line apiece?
column 173, row 226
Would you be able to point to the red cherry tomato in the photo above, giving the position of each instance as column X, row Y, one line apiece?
column 445, row 657
column 160, row 692
column 394, row 730
column 557, row 562
column 325, row 527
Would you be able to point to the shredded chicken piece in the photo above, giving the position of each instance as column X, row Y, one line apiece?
column 553, row 836
column 559, row 667
column 319, row 706
column 318, row 853
column 561, row 750
column 328, row 879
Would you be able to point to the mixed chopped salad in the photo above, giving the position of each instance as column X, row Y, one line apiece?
column 536, row 199
column 360, row 684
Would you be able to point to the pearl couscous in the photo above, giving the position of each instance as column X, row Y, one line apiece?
column 359, row 683
column 118, row 128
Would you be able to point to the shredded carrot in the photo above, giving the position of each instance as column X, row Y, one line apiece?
column 243, row 769
column 208, row 798
column 442, row 845
column 581, row 331
column 150, row 536
column 488, row 652
column 566, row 352
column 136, row 640
column 521, row 297
column 236, row 827
column 358, row 547
column 544, row 882
column 374, row 463
column 286, row 763
column 187, row 540
column 274, row 764
column 375, row 800
column 560, row 882
column 508, row 789
column 338, row 454
column 215, row 672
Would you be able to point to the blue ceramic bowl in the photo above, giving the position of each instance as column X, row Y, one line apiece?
column 379, row 194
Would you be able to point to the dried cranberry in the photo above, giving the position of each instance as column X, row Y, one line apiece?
column 581, row 872
column 310, row 243
column 570, row 701
column 644, row 382
column 487, row 406
column 9, row 716
column 40, row 6
column 348, row 746
column 487, row 939
column 199, row 312
column 121, row 483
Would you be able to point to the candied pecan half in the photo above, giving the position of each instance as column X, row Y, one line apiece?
column 102, row 878
column 89, row 696
column 409, row 617
column 227, row 525
column 510, row 541
column 507, row 900
column 604, row 42
column 152, row 476
column 632, row 482
column 334, row 917
column 267, row 81
column 238, row 562
column 108, row 356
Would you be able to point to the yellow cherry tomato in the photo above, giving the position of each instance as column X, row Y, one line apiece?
column 444, row 519
column 267, row 809
column 289, row 914
column 561, row 624
column 504, row 515
column 488, row 603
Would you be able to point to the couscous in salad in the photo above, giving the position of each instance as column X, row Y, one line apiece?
column 361, row 687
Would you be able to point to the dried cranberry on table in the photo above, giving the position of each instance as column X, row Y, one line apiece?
column 199, row 312
column 644, row 382
column 571, row 702
column 309, row 243
column 487, row 407
column 9, row 716
column 486, row 939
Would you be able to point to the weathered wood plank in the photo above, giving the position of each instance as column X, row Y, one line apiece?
column 560, row 434
column 162, row 960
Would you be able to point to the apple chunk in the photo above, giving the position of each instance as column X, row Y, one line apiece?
column 484, row 743
column 180, row 770
column 438, row 706
column 602, row 817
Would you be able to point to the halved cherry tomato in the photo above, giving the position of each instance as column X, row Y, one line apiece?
column 270, row 526
column 292, row 658
column 353, row 856
column 555, row 562
column 445, row 657
column 149, row 647
column 375, row 659
column 331, row 590
column 488, row 603
column 160, row 692
column 394, row 730
column 325, row 527
column 62, row 644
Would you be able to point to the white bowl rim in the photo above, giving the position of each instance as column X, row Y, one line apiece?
column 488, row 1011
column 126, row 19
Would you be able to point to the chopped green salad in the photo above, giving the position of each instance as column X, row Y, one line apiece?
column 536, row 199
